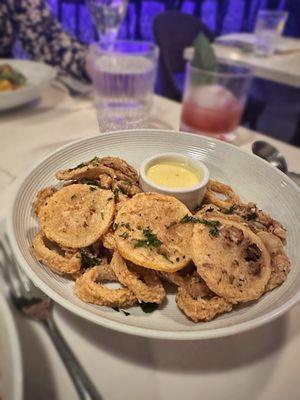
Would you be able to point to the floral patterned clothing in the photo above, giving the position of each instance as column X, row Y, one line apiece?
column 41, row 36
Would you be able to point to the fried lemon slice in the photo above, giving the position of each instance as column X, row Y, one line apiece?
column 77, row 215
column 148, row 232
column 231, row 259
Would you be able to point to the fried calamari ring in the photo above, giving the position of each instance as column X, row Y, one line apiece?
column 114, row 167
column 77, row 215
column 213, row 187
column 280, row 263
column 143, row 282
column 198, row 302
column 41, row 198
column 90, row 288
column 231, row 259
column 69, row 263
column 149, row 233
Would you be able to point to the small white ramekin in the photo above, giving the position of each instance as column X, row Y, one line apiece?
column 192, row 196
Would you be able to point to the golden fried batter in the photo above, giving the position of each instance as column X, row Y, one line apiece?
column 90, row 288
column 77, row 215
column 214, row 188
column 198, row 302
column 146, row 236
column 67, row 263
column 42, row 197
column 280, row 263
column 231, row 259
column 143, row 282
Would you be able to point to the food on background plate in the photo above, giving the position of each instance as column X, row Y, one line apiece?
column 98, row 227
column 10, row 78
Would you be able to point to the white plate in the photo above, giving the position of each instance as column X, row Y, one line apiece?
column 10, row 356
column 253, row 179
column 38, row 77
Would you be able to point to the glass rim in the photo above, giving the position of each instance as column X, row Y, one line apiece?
column 275, row 13
column 152, row 47
column 248, row 71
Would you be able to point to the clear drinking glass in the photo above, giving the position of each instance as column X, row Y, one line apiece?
column 269, row 27
column 214, row 101
column 123, row 80
column 107, row 16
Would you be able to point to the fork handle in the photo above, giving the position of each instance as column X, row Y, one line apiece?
column 85, row 388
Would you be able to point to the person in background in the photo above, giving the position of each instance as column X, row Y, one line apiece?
column 41, row 36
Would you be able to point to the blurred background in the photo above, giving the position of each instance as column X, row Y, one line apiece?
column 280, row 116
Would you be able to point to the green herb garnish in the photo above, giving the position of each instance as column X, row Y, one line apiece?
column 214, row 225
column 87, row 181
column 127, row 182
column 93, row 188
column 148, row 307
column 150, row 240
column 87, row 260
column 252, row 216
column 94, row 161
column 124, row 235
column 230, row 210
column 73, row 196
column 116, row 194
column 123, row 311
column 102, row 215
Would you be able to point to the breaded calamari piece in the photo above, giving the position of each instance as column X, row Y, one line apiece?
column 198, row 302
column 90, row 288
column 147, row 236
column 213, row 188
column 77, row 215
column 144, row 283
column 69, row 262
column 280, row 263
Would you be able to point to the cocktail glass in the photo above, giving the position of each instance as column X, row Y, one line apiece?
column 214, row 101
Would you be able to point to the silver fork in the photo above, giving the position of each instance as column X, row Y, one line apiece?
column 33, row 303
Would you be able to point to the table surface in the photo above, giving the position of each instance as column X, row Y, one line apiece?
column 260, row 364
column 281, row 68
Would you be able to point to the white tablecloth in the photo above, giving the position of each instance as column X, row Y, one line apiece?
column 260, row 364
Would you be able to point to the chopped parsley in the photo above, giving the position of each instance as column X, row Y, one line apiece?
column 230, row 210
column 124, row 235
column 166, row 255
column 252, row 216
column 148, row 307
column 126, row 225
column 102, row 215
column 88, row 260
column 73, row 196
column 81, row 165
column 214, row 225
column 87, row 181
column 123, row 311
column 127, row 182
column 94, row 161
column 109, row 199
column 116, row 194
column 93, row 188
column 151, row 240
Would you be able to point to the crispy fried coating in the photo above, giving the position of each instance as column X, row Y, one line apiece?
column 198, row 302
column 42, row 197
column 233, row 262
column 77, row 215
column 145, row 234
column 144, row 283
column 280, row 263
column 214, row 188
column 90, row 288
column 67, row 263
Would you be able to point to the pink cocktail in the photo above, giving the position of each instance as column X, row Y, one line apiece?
column 214, row 101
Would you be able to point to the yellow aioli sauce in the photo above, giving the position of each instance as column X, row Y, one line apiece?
column 175, row 175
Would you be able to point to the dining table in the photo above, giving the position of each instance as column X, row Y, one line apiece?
column 283, row 67
column 262, row 363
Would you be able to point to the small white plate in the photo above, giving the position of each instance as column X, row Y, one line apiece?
column 253, row 178
column 11, row 378
column 38, row 77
